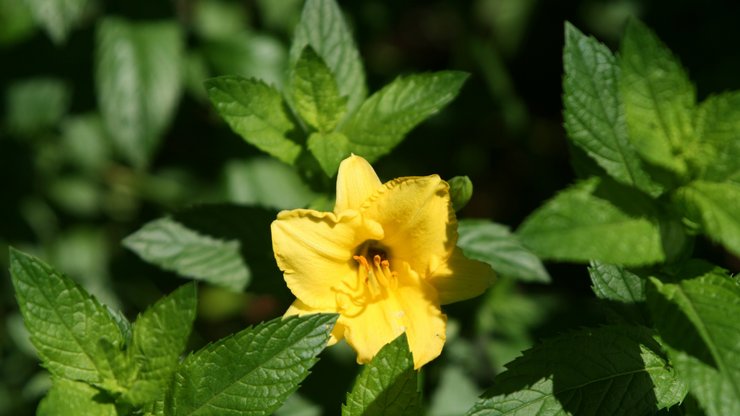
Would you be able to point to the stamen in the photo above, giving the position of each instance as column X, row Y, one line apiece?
column 372, row 279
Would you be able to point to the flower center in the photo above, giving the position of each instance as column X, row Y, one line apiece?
column 374, row 277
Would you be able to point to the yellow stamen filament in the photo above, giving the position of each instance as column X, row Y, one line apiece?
column 373, row 282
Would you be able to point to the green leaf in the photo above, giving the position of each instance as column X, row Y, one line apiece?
column 160, row 335
column 461, row 190
column 718, row 130
column 250, row 227
column 658, row 99
column 315, row 92
column 714, row 206
column 593, row 111
column 384, row 119
column 256, row 112
column 138, row 81
column 177, row 248
column 613, row 282
column 36, row 105
column 612, row 370
column 72, row 398
column 322, row 27
column 251, row 372
column 57, row 17
column 266, row 182
column 622, row 293
column 329, row 149
column 496, row 245
column 386, row 386
column 596, row 220
column 66, row 324
column 696, row 320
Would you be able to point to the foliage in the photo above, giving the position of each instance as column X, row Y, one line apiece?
column 107, row 167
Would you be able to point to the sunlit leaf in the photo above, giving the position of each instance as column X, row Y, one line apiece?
column 386, row 386
column 66, row 323
column 315, row 92
column 496, row 245
column 595, row 220
column 256, row 112
column 715, row 207
column 173, row 246
column 384, row 118
column 718, row 131
column 322, row 27
column 73, row 398
column 658, row 99
column 160, row 335
column 594, row 114
column 251, row 372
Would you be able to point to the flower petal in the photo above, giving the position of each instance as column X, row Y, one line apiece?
column 461, row 278
column 425, row 322
column 356, row 181
column 418, row 220
column 314, row 250
column 412, row 308
column 301, row 309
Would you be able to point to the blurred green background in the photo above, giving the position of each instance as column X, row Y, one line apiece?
column 70, row 196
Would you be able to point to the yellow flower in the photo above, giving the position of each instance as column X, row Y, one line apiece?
column 384, row 260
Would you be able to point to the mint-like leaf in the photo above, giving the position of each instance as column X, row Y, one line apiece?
column 613, row 282
column 137, row 78
column 384, row 119
column 66, row 324
column 73, row 398
column 714, row 206
column 315, row 92
column 596, row 220
column 612, row 370
column 622, row 290
column 696, row 318
column 256, row 112
column 718, row 130
column 329, row 149
column 593, row 111
column 322, row 27
column 494, row 244
column 386, row 386
column 251, row 372
column 160, row 335
column 658, row 99
column 175, row 247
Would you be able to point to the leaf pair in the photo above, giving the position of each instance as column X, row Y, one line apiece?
column 327, row 91
column 101, row 363
column 635, row 116
column 81, row 341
